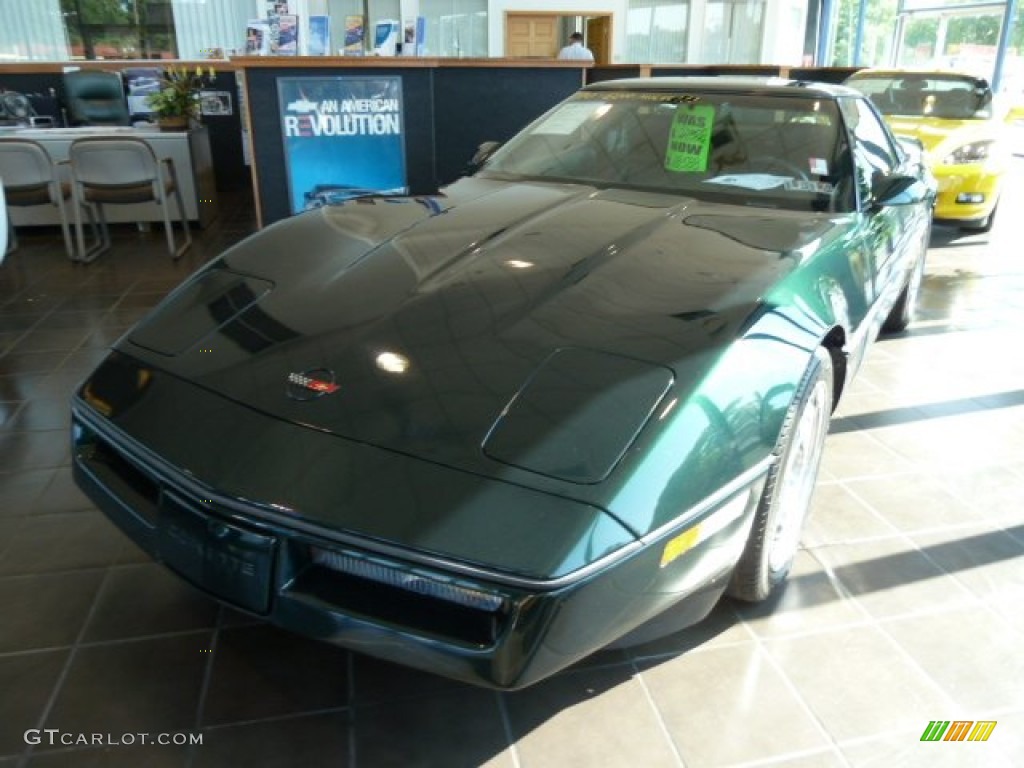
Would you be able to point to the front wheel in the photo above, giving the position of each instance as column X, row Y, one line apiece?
column 786, row 498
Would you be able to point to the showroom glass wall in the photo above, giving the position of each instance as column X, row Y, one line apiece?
column 654, row 31
column 734, row 31
column 59, row 30
column 932, row 34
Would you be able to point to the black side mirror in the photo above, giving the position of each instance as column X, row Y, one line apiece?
column 897, row 189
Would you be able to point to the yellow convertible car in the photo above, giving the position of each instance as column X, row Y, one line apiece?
column 965, row 141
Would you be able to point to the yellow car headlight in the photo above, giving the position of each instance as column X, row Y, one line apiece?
column 978, row 152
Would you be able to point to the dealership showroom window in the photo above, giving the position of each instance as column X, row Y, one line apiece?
column 489, row 421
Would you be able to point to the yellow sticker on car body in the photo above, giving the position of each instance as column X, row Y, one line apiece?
column 678, row 545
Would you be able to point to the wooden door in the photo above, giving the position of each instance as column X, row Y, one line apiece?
column 531, row 36
column 599, row 38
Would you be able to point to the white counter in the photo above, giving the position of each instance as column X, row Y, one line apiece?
column 190, row 151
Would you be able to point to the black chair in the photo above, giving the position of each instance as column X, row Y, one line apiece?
column 95, row 98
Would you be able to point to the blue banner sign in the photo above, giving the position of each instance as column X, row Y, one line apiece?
column 343, row 138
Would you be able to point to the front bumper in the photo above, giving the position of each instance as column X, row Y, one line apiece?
column 965, row 182
column 490, row 628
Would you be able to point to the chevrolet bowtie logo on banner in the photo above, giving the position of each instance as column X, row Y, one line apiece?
column 958, row 730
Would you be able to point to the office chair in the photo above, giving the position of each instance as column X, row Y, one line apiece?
column 95, row 97
column 122, row 171
column 30, row 178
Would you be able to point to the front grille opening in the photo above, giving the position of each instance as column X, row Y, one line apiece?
column 403, row 608
column 129, row 484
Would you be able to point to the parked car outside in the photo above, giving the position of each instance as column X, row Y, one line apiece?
column 569, row 401
column 965, row 136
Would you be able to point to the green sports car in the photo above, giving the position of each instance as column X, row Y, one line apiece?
column 567, row 402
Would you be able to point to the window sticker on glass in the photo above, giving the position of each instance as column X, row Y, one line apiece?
column 689, row 140
column 819, row 166
column 756, row 181
column 806, row 185
column 569, row 117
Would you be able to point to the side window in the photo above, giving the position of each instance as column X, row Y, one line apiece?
column 873, row 149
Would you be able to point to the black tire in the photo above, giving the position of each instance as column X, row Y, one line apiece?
column 985, row 225
column 785, row 500
column 902, row 312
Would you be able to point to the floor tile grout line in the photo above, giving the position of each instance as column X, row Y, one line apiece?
column 898, row 534
column 863, row 621
column 906, row 534
column 501, row 701
column 213, row 727
column 103, row 643
column 845, row 485
column 204, row 685
column 658, row 717
column 908, row 657
column 66, row 670
column 777, row 760
column 353, row 752
column 951, row 702
column 671, row 654
column 857, row 601
column 981, row 600
column 950, row 609
column 906, row 537
column 787, row 681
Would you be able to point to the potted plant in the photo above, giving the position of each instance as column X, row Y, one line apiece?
column 176, row 104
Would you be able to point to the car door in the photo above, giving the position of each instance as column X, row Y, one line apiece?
column 888, row 231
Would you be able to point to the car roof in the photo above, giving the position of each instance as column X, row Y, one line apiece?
column 728, row 84
column 937, row 73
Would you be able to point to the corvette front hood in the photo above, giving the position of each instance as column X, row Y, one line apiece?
column 428, row 317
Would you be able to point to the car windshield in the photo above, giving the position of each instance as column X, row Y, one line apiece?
column 749, row 149
column 945, row 97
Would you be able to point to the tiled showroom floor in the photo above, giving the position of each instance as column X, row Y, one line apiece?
column 906, row 606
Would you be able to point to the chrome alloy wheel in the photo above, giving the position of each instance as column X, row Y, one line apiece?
column 797, row 477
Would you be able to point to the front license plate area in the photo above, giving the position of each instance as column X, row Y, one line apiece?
column 228, row 561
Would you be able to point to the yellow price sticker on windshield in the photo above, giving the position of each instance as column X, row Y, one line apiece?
column 689, row 140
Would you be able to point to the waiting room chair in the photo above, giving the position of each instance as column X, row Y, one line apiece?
column 112, row 170
column 30, row 178
column 95, row 97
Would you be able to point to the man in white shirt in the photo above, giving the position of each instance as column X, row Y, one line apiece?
column 575, row 51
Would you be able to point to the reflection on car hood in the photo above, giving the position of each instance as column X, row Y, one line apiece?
column 942, row 136
column 431, row 314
